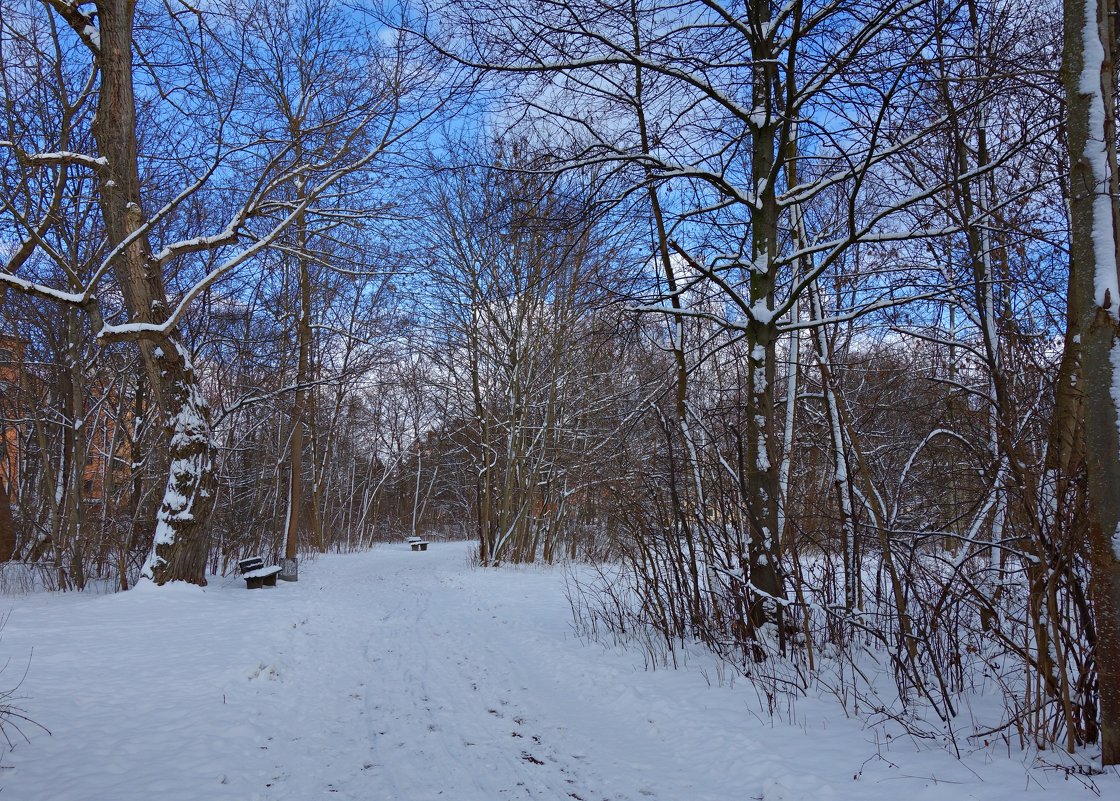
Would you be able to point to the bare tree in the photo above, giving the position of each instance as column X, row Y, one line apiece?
column 522, row 265
column 147, row 236
column 752, row 113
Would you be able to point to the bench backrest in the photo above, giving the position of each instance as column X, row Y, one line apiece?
column 252, row 563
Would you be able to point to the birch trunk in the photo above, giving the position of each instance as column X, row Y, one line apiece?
column 841, row 466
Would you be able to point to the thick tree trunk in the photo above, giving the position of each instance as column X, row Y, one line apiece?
column 1090, row 37
column 181, row 538
column 303, row 372
column 762, row 466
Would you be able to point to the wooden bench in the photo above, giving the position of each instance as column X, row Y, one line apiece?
column 256, row 575
column 418, row 544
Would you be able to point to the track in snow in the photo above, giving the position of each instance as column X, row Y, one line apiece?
column 404, row 676
column 455, row 699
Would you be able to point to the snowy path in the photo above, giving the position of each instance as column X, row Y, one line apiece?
column 449, row 685
column 401, row 676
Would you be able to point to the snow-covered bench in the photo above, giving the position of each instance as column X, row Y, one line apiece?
column 256, row 575
column 418, row 544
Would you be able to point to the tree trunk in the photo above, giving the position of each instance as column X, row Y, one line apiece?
column 1090, row 36
column 181, row 538
column 762, row 477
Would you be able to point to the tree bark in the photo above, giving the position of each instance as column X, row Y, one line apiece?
column 762, row 476
column 303, row 376
column 1090, row 38
column 181, row 537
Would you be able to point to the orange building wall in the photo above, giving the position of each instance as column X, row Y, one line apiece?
column 11, row 379
column 14, row 384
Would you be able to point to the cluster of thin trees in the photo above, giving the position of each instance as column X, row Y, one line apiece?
column 801, row 314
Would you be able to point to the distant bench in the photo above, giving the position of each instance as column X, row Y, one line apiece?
column 256, row 575
column 418, row 543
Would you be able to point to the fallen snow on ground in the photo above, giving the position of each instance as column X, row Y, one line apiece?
column 397, row 675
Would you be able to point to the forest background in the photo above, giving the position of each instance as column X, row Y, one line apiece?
column 800, row 316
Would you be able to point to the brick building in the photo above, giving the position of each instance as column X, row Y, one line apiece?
column 97, row 445
column 11, row 381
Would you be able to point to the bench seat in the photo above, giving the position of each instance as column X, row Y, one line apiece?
column 255, row 573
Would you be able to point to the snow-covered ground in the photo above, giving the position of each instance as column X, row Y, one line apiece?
column 400, row 675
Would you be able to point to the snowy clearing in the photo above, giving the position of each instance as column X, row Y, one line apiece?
column 403, row 675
